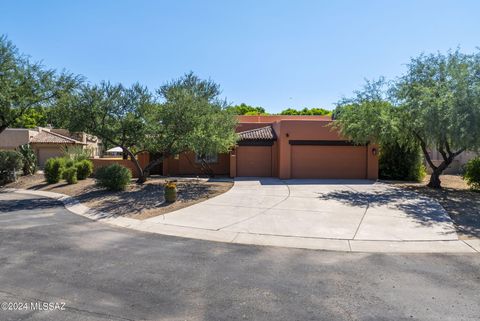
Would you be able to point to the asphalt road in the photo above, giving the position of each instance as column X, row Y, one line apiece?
column 49, row 255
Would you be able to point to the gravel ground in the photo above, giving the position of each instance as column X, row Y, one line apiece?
column 137, row 201
column 462, row 204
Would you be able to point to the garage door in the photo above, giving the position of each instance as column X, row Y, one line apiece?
column 45, row 153
column 254, row 161
column 329, row 161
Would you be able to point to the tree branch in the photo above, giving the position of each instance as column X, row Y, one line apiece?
column 425, row 151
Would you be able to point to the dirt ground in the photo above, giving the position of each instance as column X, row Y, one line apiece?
column 462, row 204
column 137, row 201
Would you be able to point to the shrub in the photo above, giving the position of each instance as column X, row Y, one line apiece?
column 70, row 175
column 68, row 162
column 76, row 153
column 399, row 163
column 84, row 169
column 10, row 162
column 29, row 159
column 53, row 170
column 113, row 177
column 472, row 173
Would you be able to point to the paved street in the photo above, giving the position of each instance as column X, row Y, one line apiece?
column 102, row 272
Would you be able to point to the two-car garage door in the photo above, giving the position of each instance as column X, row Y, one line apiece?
column 310, row 161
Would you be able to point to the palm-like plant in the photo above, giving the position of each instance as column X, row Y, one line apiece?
column 29, row 159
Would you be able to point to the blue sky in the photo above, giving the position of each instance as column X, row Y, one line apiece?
column 275, row 54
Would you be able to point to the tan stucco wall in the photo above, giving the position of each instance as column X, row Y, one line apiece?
column 11, row 138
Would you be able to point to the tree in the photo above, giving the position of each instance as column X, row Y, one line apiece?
column 191, row 117
column 436, row 104
column 440, row 99
column 25, row 85
column 244, row 109
column 306, row 111
column 34, row 117
column 114, row 113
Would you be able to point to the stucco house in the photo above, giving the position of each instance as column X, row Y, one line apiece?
column 49, row 142
column 285, row 147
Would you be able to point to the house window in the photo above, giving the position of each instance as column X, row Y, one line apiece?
column 209, row 159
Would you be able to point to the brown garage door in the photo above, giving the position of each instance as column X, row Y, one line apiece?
column 254, row 161
column 329, row 161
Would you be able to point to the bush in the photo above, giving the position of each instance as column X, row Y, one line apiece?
column 399, row 163
column 53, row 170
column 70, row 175
column 76, row 153
column 68, row 162
column 472, row 173
column 10, row 162
column 29, row 159
column 84, row 169
column 113, row 177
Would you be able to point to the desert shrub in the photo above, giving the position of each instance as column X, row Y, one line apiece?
column 70, row 175
column 29, row 159
column 53, row 170
column 10, row 162
column 400, row 163
column 113, row 177
column 472, row 173
column 84, row 169
column 76, row 153
column 68, row 162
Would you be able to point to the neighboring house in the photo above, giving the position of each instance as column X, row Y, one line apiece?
column 48, row 142
column 457, row 164
column 285, row 147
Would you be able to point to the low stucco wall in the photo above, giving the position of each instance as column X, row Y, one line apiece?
column 185, row 165
column 102, row 162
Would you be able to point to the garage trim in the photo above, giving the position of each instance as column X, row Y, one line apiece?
column 324, row 143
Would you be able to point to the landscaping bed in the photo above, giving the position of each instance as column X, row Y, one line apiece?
column 137, row 201
column 462, row 204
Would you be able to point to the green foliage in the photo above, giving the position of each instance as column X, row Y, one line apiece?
column 25, row 85
column 113, row 177
column 10, row 162
column 84, row 169
column 400, row 163
column 53, row 170
column 29, row 159
column 306, row 111
column 31, row 118
column 472, row 173
column 76, row 153
column 244, row 109
column 369, row 117
column 192, row 118
column 70, row 175
column 435, row 104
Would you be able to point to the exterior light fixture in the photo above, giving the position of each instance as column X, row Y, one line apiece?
column 374, row 151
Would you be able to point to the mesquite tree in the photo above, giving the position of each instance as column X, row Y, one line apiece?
column 435, row 105
column 190, row 117
column 25, row 85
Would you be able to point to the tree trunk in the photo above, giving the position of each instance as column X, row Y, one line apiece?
column 146, row 170
column 141, row 177
column 435, row 179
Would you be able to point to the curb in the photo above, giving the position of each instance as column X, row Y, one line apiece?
column 341, row 245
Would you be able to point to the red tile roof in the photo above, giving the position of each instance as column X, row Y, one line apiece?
column 263, row 133
column 46, row 137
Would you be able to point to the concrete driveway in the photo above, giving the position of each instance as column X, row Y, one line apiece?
column 337, row 210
